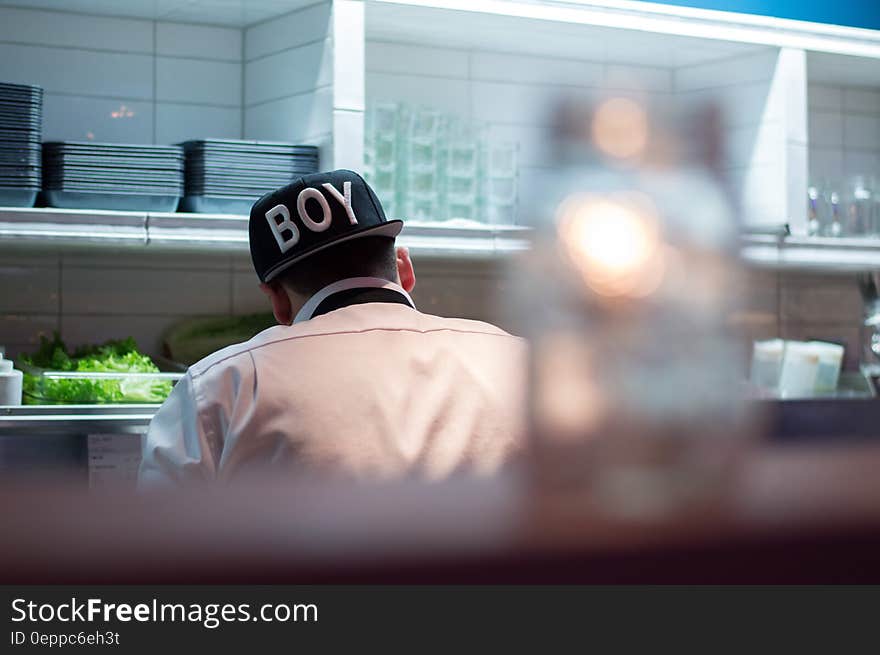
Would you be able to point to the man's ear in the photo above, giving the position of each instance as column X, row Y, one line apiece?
column 281, row 306
column 405, row 272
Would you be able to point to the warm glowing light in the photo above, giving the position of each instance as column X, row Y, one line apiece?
column 620, row 128
column 614, row 242
column 122, row 112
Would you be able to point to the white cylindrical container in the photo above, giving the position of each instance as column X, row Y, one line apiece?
column 767, row 363
column 800, row 367
column 10, row 383
column 830, row 361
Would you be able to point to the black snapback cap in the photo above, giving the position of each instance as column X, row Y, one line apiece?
column 311, row 214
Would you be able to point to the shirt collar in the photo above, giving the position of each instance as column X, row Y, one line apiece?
column 312, row 303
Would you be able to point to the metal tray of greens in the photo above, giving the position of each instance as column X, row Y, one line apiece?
column 111, row 373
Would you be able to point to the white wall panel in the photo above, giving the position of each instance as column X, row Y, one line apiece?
column 532, row 143
column 348, row 128
column 78, row 72
column 347, row 58
column 68, row 30
column 157, row 291
column 638, row 78
column 146, row 330
column 286, row 73
column 518, row 104
column 505, row 67
column 175, row 123
column 292, row 118
column 825, row 97
column 198, row 81
column 294, row 29
column 826, row 129
column 861, row 131
column 740, row 105
column 844, row 134
column 755, row 145
column 20, row 332
column 861, row 100
column 860, row 163
column 29, row 289
column 103, row 79
column 405, row 58
column 445, row 94
column 247, row 297
column 72, row 118
column 202, row 41
column 825, row 163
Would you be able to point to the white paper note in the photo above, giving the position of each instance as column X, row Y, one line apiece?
column 114, row 459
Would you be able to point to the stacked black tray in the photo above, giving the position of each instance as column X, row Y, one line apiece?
column 21, row 129
column 87, row 175
column 226, row 177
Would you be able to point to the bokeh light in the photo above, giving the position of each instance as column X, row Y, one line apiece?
column 620, row 128
column 614, row 242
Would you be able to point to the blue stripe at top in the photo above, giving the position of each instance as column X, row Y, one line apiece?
column 852, row 13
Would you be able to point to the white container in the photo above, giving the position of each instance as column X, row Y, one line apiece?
column 767, row 363
column 830, row 361
column 800, row 369
column 10, row 383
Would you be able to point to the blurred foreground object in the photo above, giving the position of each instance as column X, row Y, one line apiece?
column 789, row 515
column 637, row 401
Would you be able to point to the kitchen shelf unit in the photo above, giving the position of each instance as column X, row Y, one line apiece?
column 59, row 229
column 308, row 71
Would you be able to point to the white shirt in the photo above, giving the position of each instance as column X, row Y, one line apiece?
column 375, row 390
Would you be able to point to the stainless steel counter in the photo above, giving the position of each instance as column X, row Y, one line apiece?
column 74, row 441
column 75, row 419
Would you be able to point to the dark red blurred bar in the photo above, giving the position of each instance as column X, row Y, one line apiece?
column 793, row 516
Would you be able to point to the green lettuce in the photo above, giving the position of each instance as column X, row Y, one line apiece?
column 120, row 356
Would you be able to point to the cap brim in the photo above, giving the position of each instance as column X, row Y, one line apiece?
column 388, row 229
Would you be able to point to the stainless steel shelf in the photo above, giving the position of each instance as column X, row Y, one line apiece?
column 40, row 227
column 75, row 419
column 812, row 253
column 62, row 228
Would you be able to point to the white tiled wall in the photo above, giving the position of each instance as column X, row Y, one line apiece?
column 844, row 125
column 288, row 77
column 303, row 85
column 761, row 97
column 91, row 297
column 125, row 80
column 766, row 137
column 508, row 92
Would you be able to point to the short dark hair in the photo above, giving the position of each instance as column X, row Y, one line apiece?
column 364, row 257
